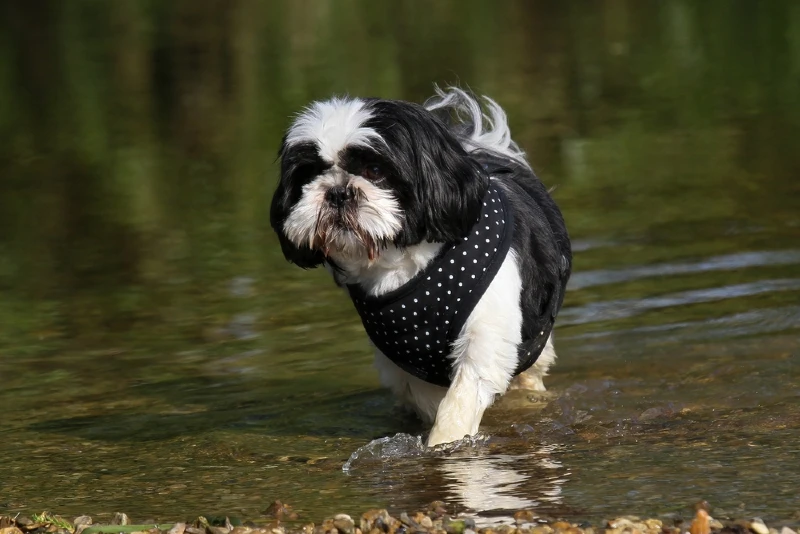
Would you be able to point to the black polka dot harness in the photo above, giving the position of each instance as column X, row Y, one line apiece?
column 416, row 324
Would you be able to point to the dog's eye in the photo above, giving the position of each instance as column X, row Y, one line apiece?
column 372, row 172
column 307, row 171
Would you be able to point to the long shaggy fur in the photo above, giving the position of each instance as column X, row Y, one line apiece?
column 415, row 178
column 477, row 128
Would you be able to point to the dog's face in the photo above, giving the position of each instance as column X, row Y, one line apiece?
column 360, row 175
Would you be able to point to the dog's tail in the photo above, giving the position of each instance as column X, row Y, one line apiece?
column 483, row 128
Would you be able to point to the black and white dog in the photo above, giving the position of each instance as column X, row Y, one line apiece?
column 452, row 251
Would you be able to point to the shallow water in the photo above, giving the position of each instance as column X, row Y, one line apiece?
column 158, row 357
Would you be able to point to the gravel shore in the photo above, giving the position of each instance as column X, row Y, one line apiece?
column 280, row 519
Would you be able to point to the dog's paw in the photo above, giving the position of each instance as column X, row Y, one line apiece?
column 527, row 381
column 440, row 435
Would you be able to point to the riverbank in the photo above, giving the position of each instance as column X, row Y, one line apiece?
column 280, row 519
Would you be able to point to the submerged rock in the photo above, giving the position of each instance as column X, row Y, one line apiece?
column 280, row 511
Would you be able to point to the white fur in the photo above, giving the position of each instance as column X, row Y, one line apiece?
column 494, row 136
column 393, row 268
column 484, row 357
column 333, row 125
column 533, row 378
column 380, row 215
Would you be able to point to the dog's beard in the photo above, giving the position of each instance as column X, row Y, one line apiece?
column 364, row 226
column 336, row 228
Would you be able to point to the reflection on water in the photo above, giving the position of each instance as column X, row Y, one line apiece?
column 158, row 356
column 494, row 485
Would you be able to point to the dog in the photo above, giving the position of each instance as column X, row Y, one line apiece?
column 452, row 251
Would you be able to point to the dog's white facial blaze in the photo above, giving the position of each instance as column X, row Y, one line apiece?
column 300, row 225
column 377, row 214
column 333, row 125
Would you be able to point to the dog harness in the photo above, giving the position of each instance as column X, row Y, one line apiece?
column 416, row 324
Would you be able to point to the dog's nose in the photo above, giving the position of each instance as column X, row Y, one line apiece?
column 338, row 196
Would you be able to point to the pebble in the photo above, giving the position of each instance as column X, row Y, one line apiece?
column 327, row 526
column 437, row 508
column 378, row 519
column 279, row 511
column 344, row 523
column 758, row 526
column 453, row 527
column 787, row 530
column 523, row 516
column 627, row 523
column 121, row 519
column 81, row 523
column 654, row 524
column 700, row 524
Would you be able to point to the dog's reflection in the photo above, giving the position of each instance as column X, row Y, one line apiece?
column 498, row 485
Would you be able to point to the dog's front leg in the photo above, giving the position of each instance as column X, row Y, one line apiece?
column 460, row 411
column 484, row 357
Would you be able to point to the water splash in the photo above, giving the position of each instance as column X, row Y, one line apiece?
column 397, row 446
column 407, row 446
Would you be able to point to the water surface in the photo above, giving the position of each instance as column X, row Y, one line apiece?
column 158, row 356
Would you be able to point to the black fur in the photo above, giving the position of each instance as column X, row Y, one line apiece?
column 440, row 188
column 542, row 247
column 438, row 185
column 299, row 166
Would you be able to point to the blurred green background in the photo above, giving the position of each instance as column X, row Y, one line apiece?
column 139, row 137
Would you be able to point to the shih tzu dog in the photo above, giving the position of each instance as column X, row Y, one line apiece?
column 451, row 249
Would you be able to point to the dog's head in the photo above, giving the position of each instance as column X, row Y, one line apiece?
column 360, row 175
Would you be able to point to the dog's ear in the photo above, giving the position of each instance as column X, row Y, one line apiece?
column 442, row 185
column 450, row 186
column 283, row 200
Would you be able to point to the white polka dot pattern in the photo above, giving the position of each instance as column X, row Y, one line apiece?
column 415, row 324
